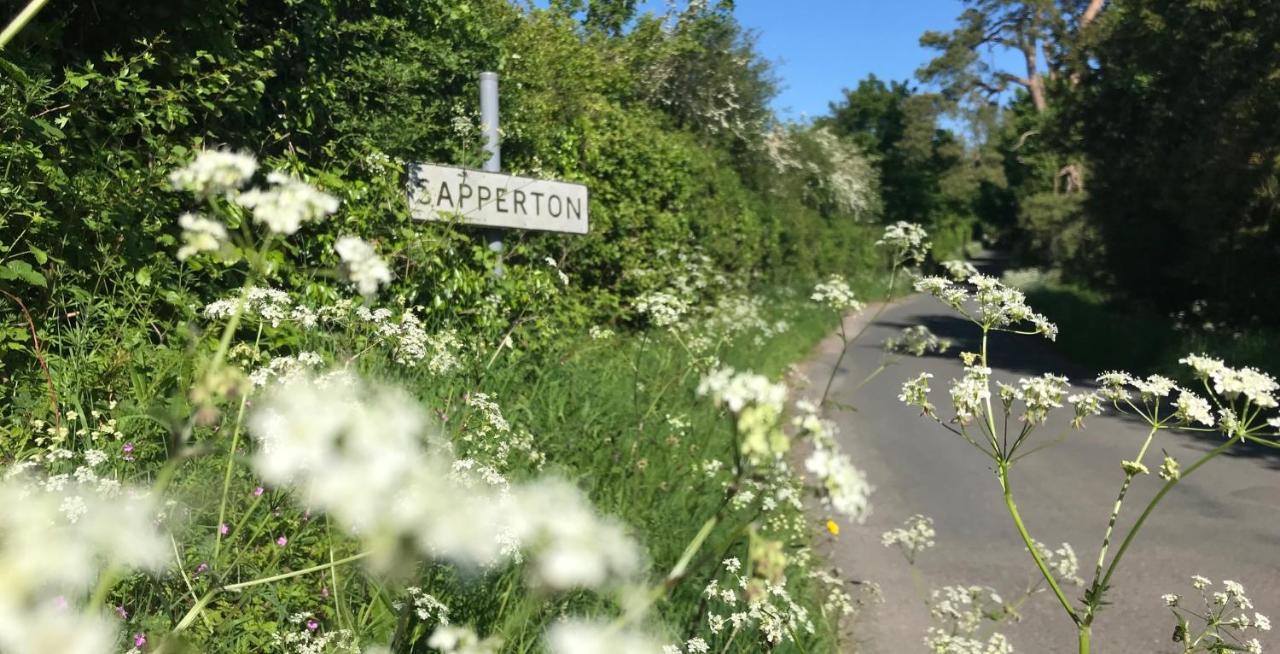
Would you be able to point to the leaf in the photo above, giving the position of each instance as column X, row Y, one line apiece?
column 21, row 270
column 14, row 72
column 143, row 276
column 41, row 256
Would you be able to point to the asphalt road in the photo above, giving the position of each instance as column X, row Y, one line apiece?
column 1223, row 522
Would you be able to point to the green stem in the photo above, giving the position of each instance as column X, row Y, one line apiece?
column 1084, row 631
column 1115, row 511
column 20, row 21
column 1031, row 546
column 1168, row 486
column 296, row 573
column 893, row 282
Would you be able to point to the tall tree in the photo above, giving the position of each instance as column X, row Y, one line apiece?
column 1046, row 33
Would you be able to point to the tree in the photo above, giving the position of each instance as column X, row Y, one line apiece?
column 1045, row 32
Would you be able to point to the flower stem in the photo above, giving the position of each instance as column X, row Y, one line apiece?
column 20, row 21
column 1084, row 631
column 1168, row 486
column 296, row 573
column 1031, row 546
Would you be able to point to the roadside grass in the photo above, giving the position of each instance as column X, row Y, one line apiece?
column 621, row 417
column 1100, row 335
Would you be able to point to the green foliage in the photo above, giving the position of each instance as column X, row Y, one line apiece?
column 1190, row 211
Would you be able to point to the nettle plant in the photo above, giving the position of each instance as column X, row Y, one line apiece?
column 1002, row 421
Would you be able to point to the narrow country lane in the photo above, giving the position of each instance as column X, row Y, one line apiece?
column 1223, row 522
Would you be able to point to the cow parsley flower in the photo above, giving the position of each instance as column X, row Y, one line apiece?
column 845, row 488
column 288, row 204
column 959, row 270
column 361, row 265
column 836, row 294
column 663, row 309
column 200, row 234
column 908, row 242
column 914, row 536
column 915, row 392
column 582, row 637
column 450, row 639
column 214, row 172
column 917, row 340
column 970, row 393
column 1193, row 408
column 1041, row 395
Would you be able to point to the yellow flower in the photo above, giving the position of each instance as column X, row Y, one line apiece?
column 833, row 527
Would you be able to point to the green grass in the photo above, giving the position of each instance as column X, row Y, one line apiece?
column 1102, row 335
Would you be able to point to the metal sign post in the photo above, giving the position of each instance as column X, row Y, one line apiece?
column 489, row 127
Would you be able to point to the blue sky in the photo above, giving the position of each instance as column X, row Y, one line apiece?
column 819, row 47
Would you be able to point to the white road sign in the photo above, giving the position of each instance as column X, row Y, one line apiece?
column 447, row 193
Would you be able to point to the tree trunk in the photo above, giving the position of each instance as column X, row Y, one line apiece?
column 1034, row 81
column 1091, row 12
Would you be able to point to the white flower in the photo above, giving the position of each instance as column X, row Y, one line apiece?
column 915, row 536
column 581, row 637
column 959, row 270
column 735, row 390
column 970, row 393
column 835, row 293
column 1041, row 394
column 1193, row 408
column 697, row 645
column 1085, row 405
column 214, row 172
column 845, row 488
column 663, row 309
column 1170, row 599
column 909, row 242
column 572, row 546
column 200, row 234
column 289, row 203
column 917, row 340
column 361, row 265
column 915, row 392
column 462, row 640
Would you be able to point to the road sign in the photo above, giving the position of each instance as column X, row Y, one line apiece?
column 448, row 193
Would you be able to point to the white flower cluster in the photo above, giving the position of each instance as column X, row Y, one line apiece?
column 200, row 234
column 267, row 304
column 57, row 536
column 662, row 308
column 1062, row 562
column 754, row 602
column 917, row 340
column 757, row 403
column 284, row 368
column 1189, row 408
column 427, row 607
column 1039, row 395
column 214, row 172
column 843, row 488
column 908, row 242
column 970, row 393
column 288, row 204
column 997, row 306
column 915, row 392
column 449, row 639
column 959, row 270
column 836, row 294
column 1224, row 622
column 1257, row 387
column 963, row 610
column 411, row 343
column 913, row 537
column 358, row 454
column 589, row 637
column 361, row 265
column 307, row 638
column 487, row 435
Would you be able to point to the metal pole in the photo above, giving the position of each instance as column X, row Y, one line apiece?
column 489, row 127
